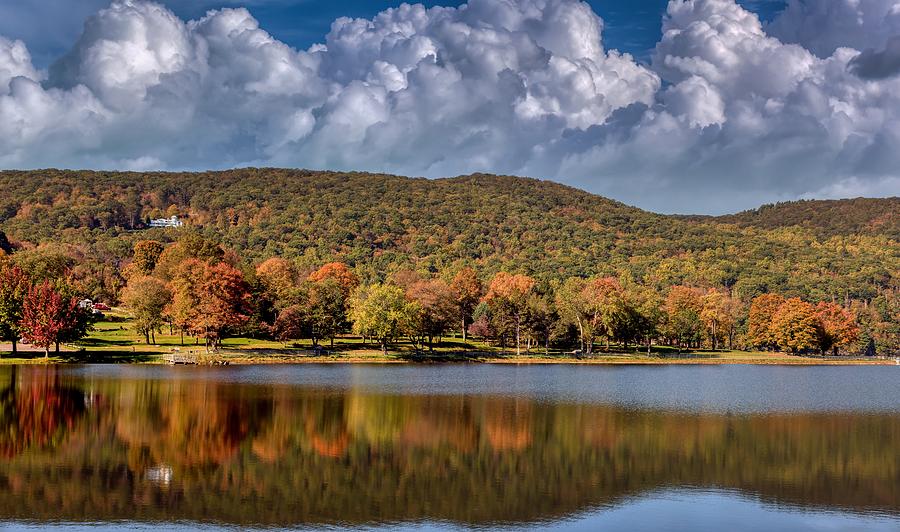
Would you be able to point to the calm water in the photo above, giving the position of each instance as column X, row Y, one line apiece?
column 451, row 447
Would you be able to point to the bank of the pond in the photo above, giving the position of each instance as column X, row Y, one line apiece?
column 270, row 355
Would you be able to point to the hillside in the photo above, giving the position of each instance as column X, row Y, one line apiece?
column 379, row 224
column 826, row 217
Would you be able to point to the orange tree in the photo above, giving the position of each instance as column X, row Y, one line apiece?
column 224, row 298
column 838, row 327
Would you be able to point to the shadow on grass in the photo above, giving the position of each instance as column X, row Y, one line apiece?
column 108, row 357
column 101, row 342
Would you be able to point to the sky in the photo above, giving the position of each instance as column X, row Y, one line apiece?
column 690, row 106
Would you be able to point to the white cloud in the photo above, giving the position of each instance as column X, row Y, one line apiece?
column 727, row 115
column 823, row 26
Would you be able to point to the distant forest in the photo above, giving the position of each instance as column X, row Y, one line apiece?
column 386, row 228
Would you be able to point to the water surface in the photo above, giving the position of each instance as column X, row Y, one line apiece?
column 451, row 447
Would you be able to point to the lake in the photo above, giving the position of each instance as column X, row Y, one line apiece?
column 449, row 447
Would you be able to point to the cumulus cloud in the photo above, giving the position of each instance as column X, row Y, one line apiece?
column 823, row 26
column 880, row 64
column 726, row 115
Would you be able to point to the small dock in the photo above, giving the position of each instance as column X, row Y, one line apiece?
column 177, row 358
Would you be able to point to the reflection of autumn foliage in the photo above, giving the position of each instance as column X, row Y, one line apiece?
column 37, row 410
column 191, row 426
column 285, row 456
column 507, row 424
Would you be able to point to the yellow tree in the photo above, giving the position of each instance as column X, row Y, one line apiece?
column 718, row 315
column 795, row 326
column 278, row 278
column 683, row 307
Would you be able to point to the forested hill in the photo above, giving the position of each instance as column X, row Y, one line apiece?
column 826, row 217
column 379, row 224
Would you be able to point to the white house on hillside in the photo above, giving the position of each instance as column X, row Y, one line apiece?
column 166, row 222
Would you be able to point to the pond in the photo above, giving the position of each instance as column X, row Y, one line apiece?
column 451, row 447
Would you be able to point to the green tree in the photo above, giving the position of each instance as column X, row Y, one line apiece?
column 14, row 285
column 147, row 299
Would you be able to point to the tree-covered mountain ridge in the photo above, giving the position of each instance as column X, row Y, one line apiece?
column 382, row 223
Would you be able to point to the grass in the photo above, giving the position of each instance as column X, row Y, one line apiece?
column 115, row 341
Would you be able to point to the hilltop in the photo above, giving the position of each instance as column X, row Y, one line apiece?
column 381, row 223
column 826, row 217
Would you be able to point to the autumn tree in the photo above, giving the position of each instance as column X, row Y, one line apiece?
column 683, row 308
column 327, row 308
column 382, row 312
column 184, row 308
column 224, row 303
column 838, row 327
column 279, row 279
column 508, row 297
column 147, row 298
column 191, row 245
column 759, row 327
column 48, row 317
column 482, row 322
column 340, row 273
column 795, row 326
column 291, row 324
column 437, row 310
column 145, row 256
column 14, row 285
column 718, row 315
column 467, row 292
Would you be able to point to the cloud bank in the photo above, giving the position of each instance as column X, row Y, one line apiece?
column 728, row 113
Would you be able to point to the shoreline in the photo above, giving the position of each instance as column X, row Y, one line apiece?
column 268, row 357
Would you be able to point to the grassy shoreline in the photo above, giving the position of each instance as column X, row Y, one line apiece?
column 114, row 342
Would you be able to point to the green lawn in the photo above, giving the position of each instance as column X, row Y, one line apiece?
column 114, row 340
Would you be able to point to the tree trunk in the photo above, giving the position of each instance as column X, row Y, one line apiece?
column 332, row 342
column 581, row 334
column 57, row 347
column 182, row 337
column 464, row 329
column 518, row 325
column 15, row 341
column 147, row 337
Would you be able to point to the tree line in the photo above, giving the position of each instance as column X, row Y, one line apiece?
column 196, row 287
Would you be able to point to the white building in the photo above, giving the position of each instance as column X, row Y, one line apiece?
column 166, row 222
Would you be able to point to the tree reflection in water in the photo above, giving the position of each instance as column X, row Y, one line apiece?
column 136, row 449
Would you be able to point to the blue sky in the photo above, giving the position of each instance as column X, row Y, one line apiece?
column 631, row 25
